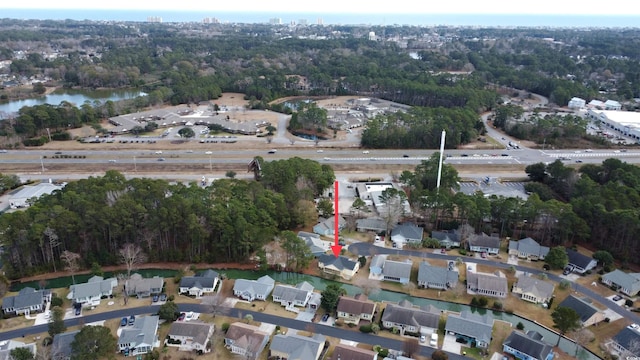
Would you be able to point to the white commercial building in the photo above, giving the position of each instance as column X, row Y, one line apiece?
column 577, row 103
column 21, row 198
column 626, row 122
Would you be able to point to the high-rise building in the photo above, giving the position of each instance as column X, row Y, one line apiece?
column 154, row 19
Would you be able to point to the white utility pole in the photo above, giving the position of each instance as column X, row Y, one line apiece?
column 442, row 138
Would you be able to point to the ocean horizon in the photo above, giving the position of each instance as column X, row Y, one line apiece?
column 484, row 20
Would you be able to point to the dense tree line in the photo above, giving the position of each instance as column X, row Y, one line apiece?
column 227, row 221
column 604, row 198
column 421, row 128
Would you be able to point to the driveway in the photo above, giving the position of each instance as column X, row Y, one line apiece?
column 450, row 345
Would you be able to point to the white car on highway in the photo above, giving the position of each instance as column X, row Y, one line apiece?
column 209, row 152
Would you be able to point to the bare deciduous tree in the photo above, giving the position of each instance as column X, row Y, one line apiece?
column 131, row 255
column 71, row 265
column 367, row 286
column 53, row 243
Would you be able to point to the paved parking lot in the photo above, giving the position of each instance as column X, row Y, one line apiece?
column 450, row 345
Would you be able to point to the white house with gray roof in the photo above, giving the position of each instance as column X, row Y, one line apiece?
column 90, row 293
column 8, row 345
column 297, row 347
column 341, row 265
column 447, row 238
column 436, row 277
column 397, row 271
column 254, row 289
column 315, row 243
column 292, row 296
column 204, row 282
column 533, row 289
column 193, row 336
column 528, row 248
column 141, row 337
column 370, row 224
column 484, row 243
column 406, row 233
column 472, row 327
column 61, row 345
column 626, row 283
column 27, row 301
column 626, row 343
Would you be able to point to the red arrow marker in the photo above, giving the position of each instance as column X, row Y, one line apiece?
column 336, row 247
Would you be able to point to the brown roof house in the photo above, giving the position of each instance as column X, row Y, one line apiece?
column 487, row 284
column 345, row 352
column 245, row 340
column 353, row 310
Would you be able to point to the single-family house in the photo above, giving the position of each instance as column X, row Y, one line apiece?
column 627, row 342
column 377, row 263
column 8, row 345
column 577, row 103
column 346, row 352
column 580, row 263
column 354, row 309
column 436, row 277
column 494, row 285
column 483, row 243
column 626, row 283
column 474, row 328
column 204, row 282
column 612, row 105
column 297, row 347
column 447, row 238
column 327, row 227
column 143, row 287
column 140, row 338
column 338, row 265
column 407, row 318
column 61, row 345
column 190, row 336
column 245, row 340
column 406, row 233
column 27, row 301
column 528, row 248
column 315, row 243
column 527, row 346
column 589, row 314
column 371, row 224
column 397, row 271
column 90, row 293
column 254, row 289
column 292, row 296
column 533, row 289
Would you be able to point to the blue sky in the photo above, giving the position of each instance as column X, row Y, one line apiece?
column 564, row 7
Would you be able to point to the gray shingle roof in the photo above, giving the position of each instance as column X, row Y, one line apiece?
column 340, row 262
column 263, row 286
column 399, row 269
column 529, row 246
column 629, row 339
column 94, row 287
column 578, row 259
column 584, row 309
column 298, row 347
column 472, row 325
column 371, row 224
column 198, row 331
column 446, row 236
column 436, row 274
column 484, row 240
column 627, row 281
column 541, row 289
column 61, row 345
column 528, row 345
column 203, row 279
column 356, row 305
column 143, row 331
column 408, row 231
column 290, row 293
column 25, row 298
column 400, row 314
column 488, row 282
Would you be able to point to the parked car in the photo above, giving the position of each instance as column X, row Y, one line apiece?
column 272, row 151
column 155, row 298
column 483, row 255
column 443, row 251
column 132, row 320
column 78, row 311
column 423, row 338
column 161, row 159
column 182, row 316
column 567, row 270
column 325, row 317
column 123, row 321
column 163, row 297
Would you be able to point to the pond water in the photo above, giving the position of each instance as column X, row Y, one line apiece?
column 76, row 97
column 320, row 284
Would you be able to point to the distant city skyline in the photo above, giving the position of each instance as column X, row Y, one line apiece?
column 489, row 7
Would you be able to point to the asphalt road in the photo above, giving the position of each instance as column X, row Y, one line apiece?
column 368, row 248
column 331, row 331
